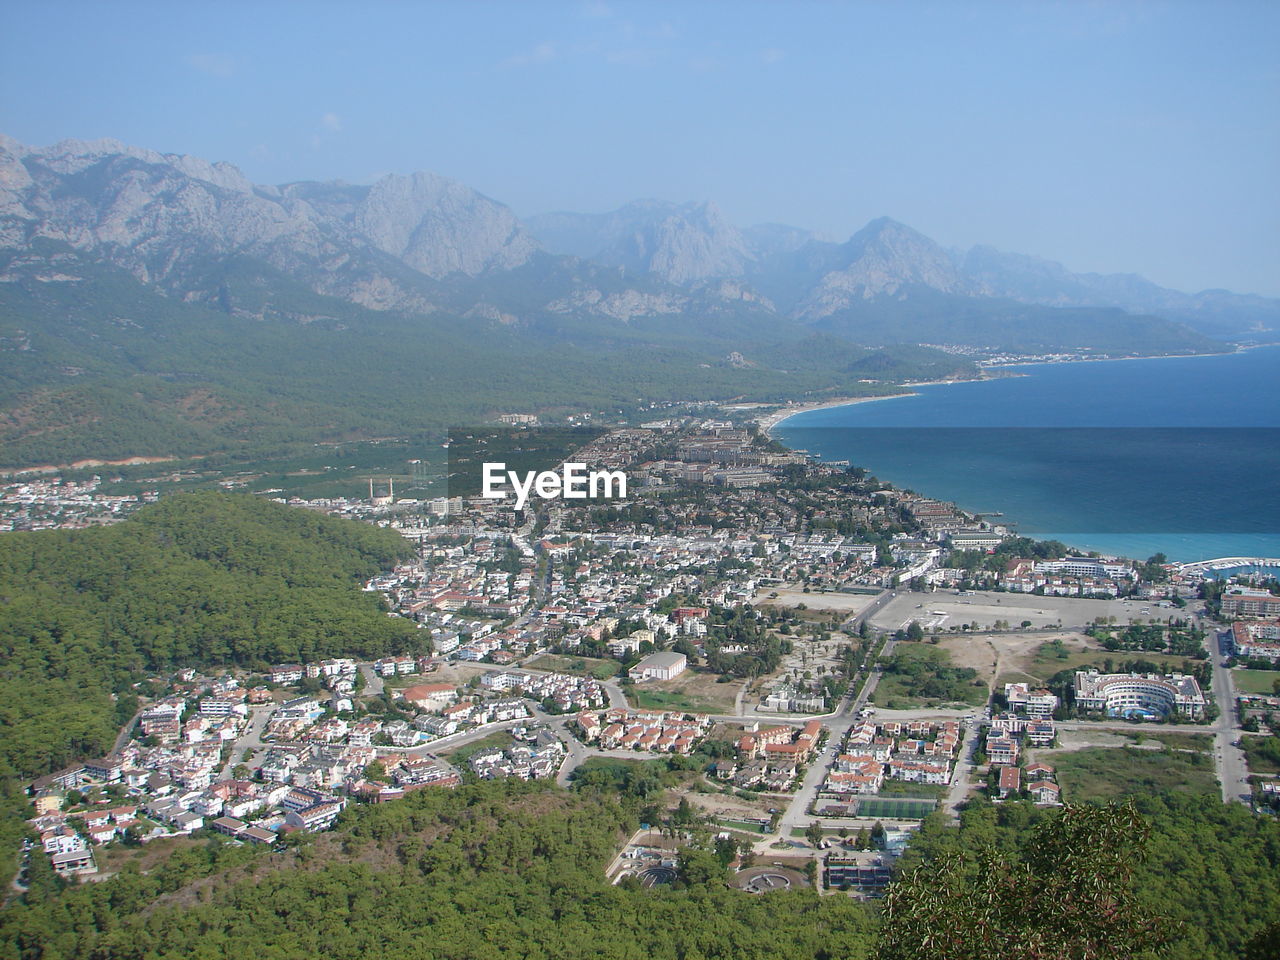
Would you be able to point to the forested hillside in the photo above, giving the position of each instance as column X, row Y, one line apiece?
column 1211, row 869
column 99, row 365
column 498, row 870
column 514, row 869
column 194, row 580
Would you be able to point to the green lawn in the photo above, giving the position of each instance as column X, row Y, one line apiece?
column 577, row 666
column 1103, row 773
column 671, row 700
column 1255, row 681
column 743, row 825
column 1046, row 661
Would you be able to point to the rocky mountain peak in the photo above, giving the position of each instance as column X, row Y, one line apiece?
column 881, row 259
column 439, row 226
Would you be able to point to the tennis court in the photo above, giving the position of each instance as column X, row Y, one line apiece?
column 895, row 808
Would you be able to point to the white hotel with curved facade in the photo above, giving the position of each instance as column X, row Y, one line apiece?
column 1139, row 695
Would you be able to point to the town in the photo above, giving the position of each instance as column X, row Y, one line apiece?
column 836, row 658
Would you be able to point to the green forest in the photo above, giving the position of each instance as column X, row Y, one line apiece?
column 1209, row 870
column 201, row 579
column 501, row 869
column 513, row 869
column 108, row 368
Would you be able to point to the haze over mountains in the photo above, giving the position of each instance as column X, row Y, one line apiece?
column 812, row 277
column 139, row 287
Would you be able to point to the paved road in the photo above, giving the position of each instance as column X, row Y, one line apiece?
column 870, row 610
column 373, row 684
column 123, row 736
column 841, row 719
column 1229, row 759
column 251, row 739
column 963, row 773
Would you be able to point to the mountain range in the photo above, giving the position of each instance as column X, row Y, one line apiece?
column 810, row 277
column 159, row 303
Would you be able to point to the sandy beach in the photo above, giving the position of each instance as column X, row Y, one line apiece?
column 770, row 420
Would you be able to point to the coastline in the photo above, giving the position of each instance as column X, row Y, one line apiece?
column 1184, row 553
column 769, row 421
column 1163, row 356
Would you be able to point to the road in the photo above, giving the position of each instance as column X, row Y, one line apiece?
column 250, row 740
column 373, row 684
column 965, row 767
column 870, row 610
column 1229, row 759
column 842, row 718
column 123, row 736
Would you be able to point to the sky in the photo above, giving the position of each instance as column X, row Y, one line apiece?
column 1124, row 137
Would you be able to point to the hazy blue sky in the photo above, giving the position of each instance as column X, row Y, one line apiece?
column 1112, row 136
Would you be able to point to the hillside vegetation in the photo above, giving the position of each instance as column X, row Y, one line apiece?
column 497, row 870
column 201, row 579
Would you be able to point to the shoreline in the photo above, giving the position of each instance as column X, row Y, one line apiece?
column 1166, row 356
column 769, row 421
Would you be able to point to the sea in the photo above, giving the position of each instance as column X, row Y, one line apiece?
column 1130, row 458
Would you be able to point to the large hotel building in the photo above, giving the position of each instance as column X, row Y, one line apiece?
column 1139, row 695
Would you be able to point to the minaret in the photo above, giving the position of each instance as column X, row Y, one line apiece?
column 391, row 489
column 371, row 489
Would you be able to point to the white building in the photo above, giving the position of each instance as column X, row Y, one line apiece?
column 661, row 666
column 1147, row 696
column 1034, row 703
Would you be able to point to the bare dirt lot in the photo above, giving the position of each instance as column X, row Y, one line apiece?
column 1015, row 657
column 845, row 603
column 730, row 806
column 1071, row 740
column 697, row 692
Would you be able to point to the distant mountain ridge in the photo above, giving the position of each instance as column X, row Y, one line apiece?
column 155, row 302
column 812, row 277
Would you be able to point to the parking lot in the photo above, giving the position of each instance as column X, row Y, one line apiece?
column 943, row 610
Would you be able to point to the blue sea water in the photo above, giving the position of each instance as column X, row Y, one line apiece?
column 1128, row 457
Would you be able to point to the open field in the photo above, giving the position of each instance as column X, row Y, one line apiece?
column 1034, row 657
column 696, row 692
column 1099, row 773
column 1005, row 657
column 935, row 685
column 743, row 826
column 1262, row 754
column 846, row 604
column 1194, row 742
column 576, row 666
column 1072, row 740
column 1255, row 681
column 728, row 806
column 110, row 859
column 943, row 609
column 455, row 672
